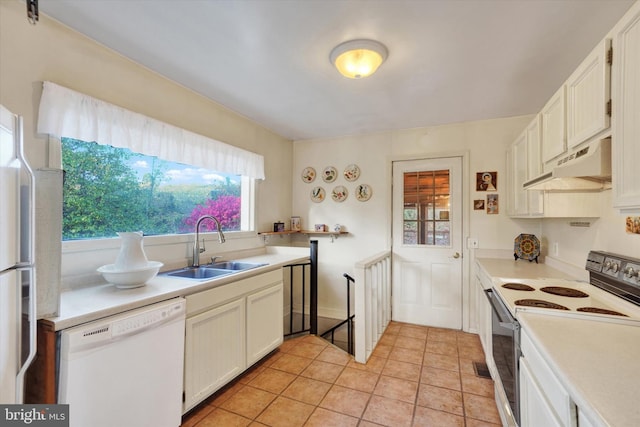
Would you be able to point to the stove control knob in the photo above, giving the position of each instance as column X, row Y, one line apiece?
column 607, row 265
column 615, row 267
column 629, row 272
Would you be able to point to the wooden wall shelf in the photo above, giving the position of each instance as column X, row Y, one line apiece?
column 275, row 233
column 333, row 234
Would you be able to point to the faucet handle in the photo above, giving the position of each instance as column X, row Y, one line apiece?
column 214, row 258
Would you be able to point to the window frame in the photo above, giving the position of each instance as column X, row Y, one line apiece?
column 248, row 217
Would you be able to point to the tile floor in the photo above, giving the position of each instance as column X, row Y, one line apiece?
column 417, row 376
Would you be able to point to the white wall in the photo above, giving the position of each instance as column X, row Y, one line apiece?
column 606, row 233
column 50, row 51
column 369, row 223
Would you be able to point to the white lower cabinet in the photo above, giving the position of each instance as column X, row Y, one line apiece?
column 228, row 329
column 543, row 399
column 264, row 322
column 534, row 409
column 483, row 313
column 214, row 350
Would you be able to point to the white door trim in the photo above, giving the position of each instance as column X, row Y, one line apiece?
column 466, row 215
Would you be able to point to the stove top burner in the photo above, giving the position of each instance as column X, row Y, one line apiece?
column 518, row 287
column 540, row 304
column 565, row 292
column 600, row 311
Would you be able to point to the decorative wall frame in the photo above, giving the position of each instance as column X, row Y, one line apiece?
column 493, row 206
column 486, row 181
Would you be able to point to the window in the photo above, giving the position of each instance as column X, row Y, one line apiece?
column 108, row 189
column 426, row 208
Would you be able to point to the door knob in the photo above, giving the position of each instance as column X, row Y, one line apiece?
column 456, row 255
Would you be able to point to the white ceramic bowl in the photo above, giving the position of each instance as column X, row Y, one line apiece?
column 131, row 278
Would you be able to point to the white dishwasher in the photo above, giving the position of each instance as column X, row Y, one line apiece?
column 125, row 370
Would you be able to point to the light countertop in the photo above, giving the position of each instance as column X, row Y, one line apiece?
column 83, row 305
column 497, row 268
column 596, row 361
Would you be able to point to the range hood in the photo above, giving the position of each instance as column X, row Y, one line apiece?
column 588, row 169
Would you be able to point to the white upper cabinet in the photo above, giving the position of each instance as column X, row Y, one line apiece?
column 588, row 96
column 519, row 162
column 534, row 166
column 524, row 164
column 552, row 116
column 626, row 112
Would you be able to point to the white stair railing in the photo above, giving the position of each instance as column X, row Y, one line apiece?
column 372, row 295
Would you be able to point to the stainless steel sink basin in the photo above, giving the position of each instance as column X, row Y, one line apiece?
column 235, row 265
column 204, row 272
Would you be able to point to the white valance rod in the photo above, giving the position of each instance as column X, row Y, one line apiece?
column 67, row 113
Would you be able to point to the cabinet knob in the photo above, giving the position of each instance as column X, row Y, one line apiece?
column 456, row 255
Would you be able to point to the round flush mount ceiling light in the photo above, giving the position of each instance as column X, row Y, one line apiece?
column 357, row 59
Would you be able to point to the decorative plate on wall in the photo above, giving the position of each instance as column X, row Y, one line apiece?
column 329, row 174
column 308, row 174
column 317, row 194
column 339, row 194
column 351, row 172
column 363, row 192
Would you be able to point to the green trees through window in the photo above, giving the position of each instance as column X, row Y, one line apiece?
column 108, row 189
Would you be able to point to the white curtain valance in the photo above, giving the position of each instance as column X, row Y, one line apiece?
column 67, row 113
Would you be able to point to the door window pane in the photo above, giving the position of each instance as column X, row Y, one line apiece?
column 426, row 208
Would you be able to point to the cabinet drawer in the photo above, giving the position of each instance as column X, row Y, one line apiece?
column 553, row 391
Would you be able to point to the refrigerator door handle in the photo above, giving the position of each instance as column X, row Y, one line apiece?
column 20, row 377
column 19, row 138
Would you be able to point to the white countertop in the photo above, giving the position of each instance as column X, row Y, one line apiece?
column 596, row 361
column 91, row 303
column 498, row 268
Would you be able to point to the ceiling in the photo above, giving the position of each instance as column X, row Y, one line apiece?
column 268, row 60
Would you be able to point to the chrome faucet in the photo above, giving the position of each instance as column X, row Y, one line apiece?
column 195, row 262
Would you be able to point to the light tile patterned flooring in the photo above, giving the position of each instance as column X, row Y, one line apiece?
column 417, row 376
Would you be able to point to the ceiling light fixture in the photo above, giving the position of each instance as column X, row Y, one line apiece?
column 357, row 59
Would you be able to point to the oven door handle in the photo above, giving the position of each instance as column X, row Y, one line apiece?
column 506, row 320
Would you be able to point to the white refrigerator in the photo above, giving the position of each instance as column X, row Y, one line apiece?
column 17, row 271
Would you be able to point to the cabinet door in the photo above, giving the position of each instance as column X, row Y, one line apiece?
column 264, row 322
column 483, row 313
column 214, row 350
column 626, row 111
column 553, row 126
column 520, row 197
column 510, row 183
column 588, row 92
column 534, row 166
column 534, row 409
column 583, row 421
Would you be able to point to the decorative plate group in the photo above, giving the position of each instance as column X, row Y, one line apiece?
column 340, row 193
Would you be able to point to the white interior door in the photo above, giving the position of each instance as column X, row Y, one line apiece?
column 427, row 242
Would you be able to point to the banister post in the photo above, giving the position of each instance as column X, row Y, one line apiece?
column 313, row 292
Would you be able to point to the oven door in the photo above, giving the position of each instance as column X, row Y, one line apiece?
column 505, row 334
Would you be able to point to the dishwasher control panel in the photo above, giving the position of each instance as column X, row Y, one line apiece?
column 129, row 322
column 144, row 320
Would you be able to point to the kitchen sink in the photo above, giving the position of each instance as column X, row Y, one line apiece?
column 199, row 272
column 235, row 265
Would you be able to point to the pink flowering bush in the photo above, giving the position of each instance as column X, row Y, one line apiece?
column 225, row 208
